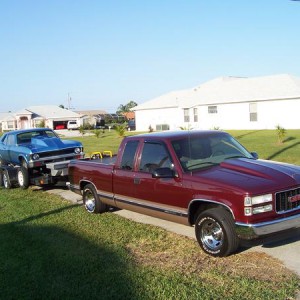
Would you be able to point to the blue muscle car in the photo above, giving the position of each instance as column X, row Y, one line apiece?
column 38, row 152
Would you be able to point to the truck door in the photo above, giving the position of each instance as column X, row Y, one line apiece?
column 123, row 179
column 158, row 196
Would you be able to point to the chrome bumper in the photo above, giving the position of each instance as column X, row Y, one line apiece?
column 251, row 231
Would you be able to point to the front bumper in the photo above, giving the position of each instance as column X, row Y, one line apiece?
column 252, row 231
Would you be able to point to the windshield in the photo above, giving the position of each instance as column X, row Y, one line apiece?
column 198, row 152
column 25, row 137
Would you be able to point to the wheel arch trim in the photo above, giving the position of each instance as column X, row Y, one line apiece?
column 205, row 201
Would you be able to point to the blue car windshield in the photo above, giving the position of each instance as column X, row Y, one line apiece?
column 25, row 137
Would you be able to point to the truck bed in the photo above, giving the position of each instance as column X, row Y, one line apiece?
column 106, row 160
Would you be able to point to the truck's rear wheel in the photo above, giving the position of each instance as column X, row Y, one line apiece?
column 215, row 232
column 23, row 178
column 91, row 200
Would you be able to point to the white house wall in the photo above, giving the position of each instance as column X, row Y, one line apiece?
column 154, row 117
column 229, row 116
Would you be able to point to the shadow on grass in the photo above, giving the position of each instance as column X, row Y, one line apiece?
column 248, row 133
column 282, row 151
column 49, row 262
column 291, row 138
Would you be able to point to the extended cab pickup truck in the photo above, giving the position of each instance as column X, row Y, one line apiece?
column 204, row 179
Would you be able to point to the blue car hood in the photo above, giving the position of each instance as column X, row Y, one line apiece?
column 50, row 144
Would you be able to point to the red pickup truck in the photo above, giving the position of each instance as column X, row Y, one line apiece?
column 204, row 179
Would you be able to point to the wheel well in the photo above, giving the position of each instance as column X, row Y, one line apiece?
column 21, row 159
column 83, row 183
column 198, row 207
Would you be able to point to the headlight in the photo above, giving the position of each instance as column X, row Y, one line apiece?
column 249, row 211
column 35, row 156
column 77, row 150
column 249, row 201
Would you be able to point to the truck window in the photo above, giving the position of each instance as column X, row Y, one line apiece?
column 128, row 155
column 154, row 156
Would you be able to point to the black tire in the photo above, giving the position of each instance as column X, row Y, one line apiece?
column 215, row 232
column 91, row 200
column 23, row 178
column 6, row 180
column 1, row 178
column 24, row 163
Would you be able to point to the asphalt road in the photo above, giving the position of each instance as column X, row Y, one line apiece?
column 284, row 246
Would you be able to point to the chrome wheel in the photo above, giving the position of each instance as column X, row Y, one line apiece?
column 89, row 201
column 211, row 234
column 215, row 232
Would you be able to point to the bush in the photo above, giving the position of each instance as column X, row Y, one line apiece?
column 281, row 132
column 120, row 129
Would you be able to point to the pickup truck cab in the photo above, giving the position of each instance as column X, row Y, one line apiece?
column 204, row 179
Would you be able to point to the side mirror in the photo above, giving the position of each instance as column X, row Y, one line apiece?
column 164, row 173
column 255, row 155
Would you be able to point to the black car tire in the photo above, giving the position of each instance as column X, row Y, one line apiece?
column 1, row 178
column 215, row 232
column 23, row 178
column 6, row 179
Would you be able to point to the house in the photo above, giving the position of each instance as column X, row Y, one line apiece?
column 91, row 117
column 7, row 121
column 49, row 115
column 226, row 103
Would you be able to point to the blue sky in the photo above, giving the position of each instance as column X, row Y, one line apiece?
column 107, row 53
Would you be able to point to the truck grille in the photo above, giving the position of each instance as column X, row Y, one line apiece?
column 288, row 200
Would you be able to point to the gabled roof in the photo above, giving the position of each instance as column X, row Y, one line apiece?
column 7, row 116
column 48, row 112
column 169, row 100
column 229, row 90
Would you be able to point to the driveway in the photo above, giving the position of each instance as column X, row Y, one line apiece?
column 285, row 246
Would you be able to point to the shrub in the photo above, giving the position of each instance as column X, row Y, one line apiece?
column 120, row 129
column 281, row 132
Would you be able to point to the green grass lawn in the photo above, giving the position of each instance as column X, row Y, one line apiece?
column 53, row 249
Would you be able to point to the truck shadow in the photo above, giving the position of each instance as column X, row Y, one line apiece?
column 39, row 262
column 273, row 241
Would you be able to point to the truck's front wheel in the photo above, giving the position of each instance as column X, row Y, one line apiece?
column 215, row 232
column 91, row 200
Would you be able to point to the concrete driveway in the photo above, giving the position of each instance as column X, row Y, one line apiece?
column 284, row 246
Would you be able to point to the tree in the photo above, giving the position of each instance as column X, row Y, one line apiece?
column 127, row 107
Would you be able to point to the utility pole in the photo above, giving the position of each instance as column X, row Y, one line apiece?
column 69, row 102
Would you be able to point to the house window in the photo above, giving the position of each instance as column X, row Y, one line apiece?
column 212, row 109
column 195, row 111
column 161, row 127
column 10, row 125
column 186, row 112
column 253, row 112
